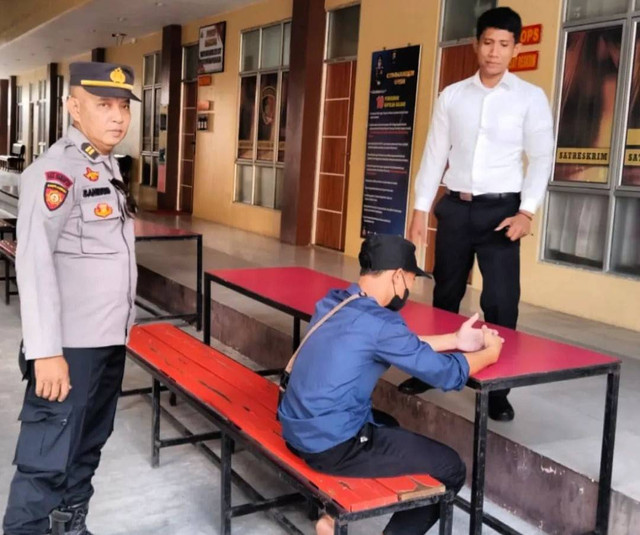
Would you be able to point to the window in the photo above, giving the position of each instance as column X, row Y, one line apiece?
column 150, row 119
column 190, row 63
column 594, row 196
column 460, row 18
column 344, row 27
column 264, row 83
column 590, row 9
column 19, row 115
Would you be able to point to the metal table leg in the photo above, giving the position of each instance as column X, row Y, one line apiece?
column 296, row 333
column 479, row 461
column 606, row 459
column 206, row 329
column 199, row 283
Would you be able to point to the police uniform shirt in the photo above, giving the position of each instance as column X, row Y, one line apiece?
column 75, row 258
column 328, row 397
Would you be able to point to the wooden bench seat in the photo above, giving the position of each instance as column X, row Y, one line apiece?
column 243, row 405
column 8, row 255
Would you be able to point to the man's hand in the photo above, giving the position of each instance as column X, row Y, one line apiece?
column 418, row 228
column 519, row 225
column 52, row 378
column 470, row 339
column 492, row 343
column 479, row 360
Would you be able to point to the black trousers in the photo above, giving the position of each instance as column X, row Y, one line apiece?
column 59, row 444
column 465, row 230
column 388, row 452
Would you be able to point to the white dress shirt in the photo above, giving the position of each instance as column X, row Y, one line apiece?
column 482, row 132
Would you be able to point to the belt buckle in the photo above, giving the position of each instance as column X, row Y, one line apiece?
column 464, row 196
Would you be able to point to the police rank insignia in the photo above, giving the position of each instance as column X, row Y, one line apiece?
column 91, row 174
column 90, row 150
column 103, row 209
column 54, row 195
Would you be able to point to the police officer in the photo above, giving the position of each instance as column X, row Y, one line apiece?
column 77, row 276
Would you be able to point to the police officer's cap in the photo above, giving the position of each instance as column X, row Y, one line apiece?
column 103, row 79
column 381, row 252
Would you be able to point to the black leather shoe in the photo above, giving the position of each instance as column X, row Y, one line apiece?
column 500, row 409
column 413, row 386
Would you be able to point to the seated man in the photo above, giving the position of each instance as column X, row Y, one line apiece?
column 326, row 411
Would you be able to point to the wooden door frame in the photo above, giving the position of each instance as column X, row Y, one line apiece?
column 343, row 228
column 181, row 147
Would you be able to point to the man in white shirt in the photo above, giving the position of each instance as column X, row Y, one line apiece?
column 481, row 127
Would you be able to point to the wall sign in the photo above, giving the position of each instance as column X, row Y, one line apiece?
column 527, row 61
column 531, row 35
column 211, row 48
column 392, row 102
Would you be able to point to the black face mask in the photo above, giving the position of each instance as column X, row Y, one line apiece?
column 398, row 302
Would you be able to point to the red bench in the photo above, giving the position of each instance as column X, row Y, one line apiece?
column 8, row 254
column 242, row 404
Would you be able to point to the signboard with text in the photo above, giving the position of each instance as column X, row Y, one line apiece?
column 392, row 102
column 211, row 48
column 527, row 61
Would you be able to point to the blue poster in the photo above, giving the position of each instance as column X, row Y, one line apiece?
column 392, row 104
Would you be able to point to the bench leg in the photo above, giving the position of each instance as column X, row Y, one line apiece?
column 446, row 513
column 155, row 424
column 226, row 447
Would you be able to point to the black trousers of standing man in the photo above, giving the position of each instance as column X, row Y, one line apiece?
column 467, row 229
column 59, row 444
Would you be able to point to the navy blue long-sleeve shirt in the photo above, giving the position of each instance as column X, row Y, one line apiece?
column 328, row 398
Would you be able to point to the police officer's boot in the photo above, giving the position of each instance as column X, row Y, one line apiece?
column 59, row 521
column 73, row 519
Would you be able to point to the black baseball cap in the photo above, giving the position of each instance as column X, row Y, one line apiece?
column 380, row 252
column 103, row 79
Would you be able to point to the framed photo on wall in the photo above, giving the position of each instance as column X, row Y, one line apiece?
column 211, row 48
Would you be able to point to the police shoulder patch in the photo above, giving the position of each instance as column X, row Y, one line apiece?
column 54, row 195
column 90, row 150
column 58, row 177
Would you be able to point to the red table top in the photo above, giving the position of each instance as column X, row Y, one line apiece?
column 148, row 229
column 523, row 354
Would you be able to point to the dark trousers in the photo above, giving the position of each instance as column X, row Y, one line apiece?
column 59, row 444
column 465, row 230
column 389, row 452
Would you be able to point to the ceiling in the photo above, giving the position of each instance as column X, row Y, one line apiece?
column 92, row 24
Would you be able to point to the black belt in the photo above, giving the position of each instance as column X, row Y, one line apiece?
column 468, row 197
